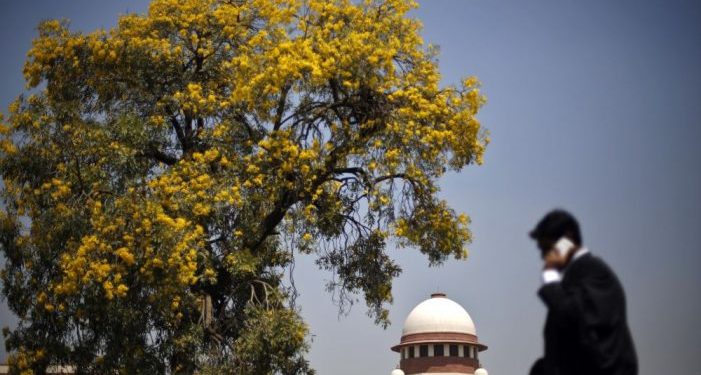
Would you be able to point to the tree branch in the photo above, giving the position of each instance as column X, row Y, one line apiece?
column 273, row 219
column 357, row 171
column 391, row 177
column 158, row 155
column 178, row 132
column 281, row 107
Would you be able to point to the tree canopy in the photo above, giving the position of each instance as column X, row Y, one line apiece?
column 161, row 177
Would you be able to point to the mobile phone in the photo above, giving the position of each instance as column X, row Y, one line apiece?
column 563, row 246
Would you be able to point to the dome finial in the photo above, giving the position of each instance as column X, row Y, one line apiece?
column 438, row 295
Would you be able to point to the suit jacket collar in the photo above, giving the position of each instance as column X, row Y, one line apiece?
column 581, row 256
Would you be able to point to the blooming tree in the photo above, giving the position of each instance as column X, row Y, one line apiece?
column 161, row 177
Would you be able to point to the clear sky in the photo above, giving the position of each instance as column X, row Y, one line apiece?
column 594, row 106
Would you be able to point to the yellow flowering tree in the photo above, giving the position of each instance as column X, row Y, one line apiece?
column 161, row 177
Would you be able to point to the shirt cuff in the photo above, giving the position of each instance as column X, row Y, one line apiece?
column 551, row 276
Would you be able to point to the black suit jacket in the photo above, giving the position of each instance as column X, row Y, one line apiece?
column 586, row 331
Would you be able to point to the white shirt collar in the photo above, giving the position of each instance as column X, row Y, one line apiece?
column 578, row 254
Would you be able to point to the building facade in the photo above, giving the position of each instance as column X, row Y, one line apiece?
column 439, row 338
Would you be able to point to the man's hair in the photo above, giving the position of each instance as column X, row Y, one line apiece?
column 556, row 224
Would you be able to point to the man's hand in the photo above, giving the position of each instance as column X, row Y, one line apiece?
column 552, row 260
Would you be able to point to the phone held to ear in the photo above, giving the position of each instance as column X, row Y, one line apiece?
column 563, row 246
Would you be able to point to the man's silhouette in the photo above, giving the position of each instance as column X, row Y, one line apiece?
column 586, row 331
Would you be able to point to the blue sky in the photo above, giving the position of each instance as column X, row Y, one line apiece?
column 594, row 106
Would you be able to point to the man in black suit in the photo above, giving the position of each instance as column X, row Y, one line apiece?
column 586, row 331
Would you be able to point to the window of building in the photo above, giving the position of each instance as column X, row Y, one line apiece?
column 411, row 352
column 466, row 351
column 454, row 350
column 438, row 350
column 423, row 350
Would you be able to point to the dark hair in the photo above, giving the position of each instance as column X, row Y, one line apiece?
column 556, row 224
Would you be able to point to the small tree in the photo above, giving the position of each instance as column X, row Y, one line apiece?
column 164, row 175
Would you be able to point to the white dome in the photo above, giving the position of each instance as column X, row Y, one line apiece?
column 397, row 372
column 438, row 314
column 481, row 371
